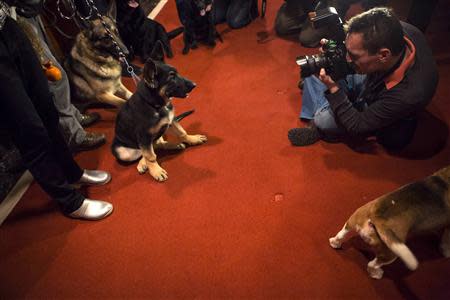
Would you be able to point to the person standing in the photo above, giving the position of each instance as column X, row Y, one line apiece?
column 28, row 112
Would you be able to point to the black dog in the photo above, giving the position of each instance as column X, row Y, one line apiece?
column 149, row 113
column 140, row 33
column 198, row 24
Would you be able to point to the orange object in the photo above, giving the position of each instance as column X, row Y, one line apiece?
column 51, row 72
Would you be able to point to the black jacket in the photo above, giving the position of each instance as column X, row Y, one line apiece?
column 388, row 102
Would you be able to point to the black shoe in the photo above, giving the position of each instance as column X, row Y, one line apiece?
column 91, row 141
column 88, row 119
column 304, row 136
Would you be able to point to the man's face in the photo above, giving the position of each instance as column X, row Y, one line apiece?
column 362, row 61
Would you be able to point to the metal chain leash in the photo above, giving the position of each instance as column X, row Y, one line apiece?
column 94, row 9
column 72, row 8
column 89, row 15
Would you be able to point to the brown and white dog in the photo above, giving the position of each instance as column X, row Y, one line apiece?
column 386, row 222
column 93, row 66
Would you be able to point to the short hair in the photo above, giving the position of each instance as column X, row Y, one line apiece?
column 380, row 28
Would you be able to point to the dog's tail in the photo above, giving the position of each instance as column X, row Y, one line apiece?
column 183, row 115
column 397, row 246
column 174, row 33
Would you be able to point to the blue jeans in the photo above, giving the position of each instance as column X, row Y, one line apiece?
column 316, row 107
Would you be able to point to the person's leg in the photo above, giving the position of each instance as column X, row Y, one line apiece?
column 315, row 106
column 325, row 121
column 70, row 117
column 28, row 111
column 398, row 135
column 240, row 13
column 313, row 98
column 290, row 17
column 324, row 117
column 220, row 9
column 34, row 121
column 310, row 37
column 181, row 10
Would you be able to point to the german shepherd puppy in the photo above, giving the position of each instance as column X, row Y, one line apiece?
column 93, row 66
column 385, row 223
column 145, row 118
column 199, row 24
column 140, row 33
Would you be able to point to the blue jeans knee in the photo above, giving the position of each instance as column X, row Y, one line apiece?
column 325, row 121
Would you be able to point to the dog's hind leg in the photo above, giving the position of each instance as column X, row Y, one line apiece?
column 384, row 256
column 445, row 242
column 336, row 242
column 148, row 162
column 194, row 139
column 161, row 143
column 126, row 154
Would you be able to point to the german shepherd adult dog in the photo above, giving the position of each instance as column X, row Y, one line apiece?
column 199, row 24
column 93, row 66
column 145, row 118
column 140, row 33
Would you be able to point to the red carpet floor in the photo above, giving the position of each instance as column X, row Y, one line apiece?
column 244, row 216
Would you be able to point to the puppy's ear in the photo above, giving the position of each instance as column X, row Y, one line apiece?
column 149, row 74
column 158, row 52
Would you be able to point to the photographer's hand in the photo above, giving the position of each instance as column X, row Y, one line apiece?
column 322, row 43
column 328, row 81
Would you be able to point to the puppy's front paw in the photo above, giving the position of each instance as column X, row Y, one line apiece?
column 195, row 139
column 335, row 243
column 142, row 166
column 157, row 172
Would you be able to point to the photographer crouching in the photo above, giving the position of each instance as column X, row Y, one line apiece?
column 396, row 78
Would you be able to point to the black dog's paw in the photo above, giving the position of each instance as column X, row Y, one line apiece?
column 186, row 50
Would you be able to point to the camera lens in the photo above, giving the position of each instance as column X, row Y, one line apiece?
column 310, row 65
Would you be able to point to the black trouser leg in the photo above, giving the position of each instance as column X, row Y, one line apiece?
column 28, row 111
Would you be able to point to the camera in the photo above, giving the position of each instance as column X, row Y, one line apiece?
column 333, row 58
